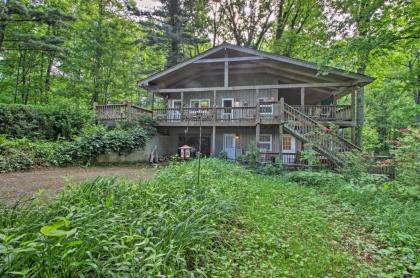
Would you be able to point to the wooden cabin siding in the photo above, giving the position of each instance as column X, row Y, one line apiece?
column 247, row 98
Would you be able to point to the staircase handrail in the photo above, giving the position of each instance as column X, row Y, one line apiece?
column 324, row 128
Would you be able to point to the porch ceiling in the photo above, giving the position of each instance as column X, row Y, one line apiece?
column 248, row 67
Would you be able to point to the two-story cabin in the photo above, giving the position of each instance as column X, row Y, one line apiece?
column 241, row 96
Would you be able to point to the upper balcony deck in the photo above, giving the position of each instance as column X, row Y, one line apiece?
column 268, row 113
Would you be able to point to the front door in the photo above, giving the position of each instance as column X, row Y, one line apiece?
column 227, row 112
column 229, row 145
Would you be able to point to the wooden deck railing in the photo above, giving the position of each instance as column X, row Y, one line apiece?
column 326, row 112
column 205, row 114
column 119, row 112
column 267, row 110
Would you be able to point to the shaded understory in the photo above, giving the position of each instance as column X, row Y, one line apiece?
column 235, row 223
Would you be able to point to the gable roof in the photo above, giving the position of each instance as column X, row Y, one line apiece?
column 360, row 78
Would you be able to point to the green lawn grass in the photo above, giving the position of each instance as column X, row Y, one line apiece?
column 235, row 223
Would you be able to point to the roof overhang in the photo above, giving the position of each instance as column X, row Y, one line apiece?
column 213, row 60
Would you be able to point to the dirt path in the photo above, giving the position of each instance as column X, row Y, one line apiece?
column 16, row 185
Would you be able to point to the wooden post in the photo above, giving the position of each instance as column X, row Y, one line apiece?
column 281, row 130
column 334, row 100
column 353, row 118
column 214, row 106
column 128, row 109
column 257, row 120
column 257, row 136
column 153, row 101
column 257, row 105
column 226, row 80
column 302, row 98
column 213, row 142
column 281, row 110
column 95, row 114
column 182, row 106
column 226, row 83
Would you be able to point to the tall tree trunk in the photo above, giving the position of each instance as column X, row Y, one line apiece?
column 174, row 54
column 2, row 31
column 416, row 85
column 48, row 77
column 214, row 27
column 41, row 76
column 24, row 73
column 17, row 77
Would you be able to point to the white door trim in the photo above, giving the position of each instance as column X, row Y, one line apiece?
column 224, row 114
column 233, row 156
column 173, row 102
column 175, row 114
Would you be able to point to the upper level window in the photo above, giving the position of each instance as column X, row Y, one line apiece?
column 200, row 103
column 265, row 107
column 266, row 142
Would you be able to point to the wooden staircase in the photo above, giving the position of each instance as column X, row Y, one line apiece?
column 320, row 137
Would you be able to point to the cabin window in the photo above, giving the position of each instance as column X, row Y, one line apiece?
column 266, row 142
column 287, row 143
column 265, row 107
column 200, row 103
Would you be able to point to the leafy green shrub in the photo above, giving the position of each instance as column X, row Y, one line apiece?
column 24, row 153
column 146, row 122
column 223, row 155
column 97, row 141
column 42, row 122
column 316, row 179
column 407, row 157
column 270, row 169
column 310, row 156
column 14, row 160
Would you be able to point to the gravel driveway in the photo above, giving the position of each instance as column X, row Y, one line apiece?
column 16, row 185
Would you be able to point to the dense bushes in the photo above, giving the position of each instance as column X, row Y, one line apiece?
column 312, row 178
column 24, row 153
column 98, row 141
column 42, row 122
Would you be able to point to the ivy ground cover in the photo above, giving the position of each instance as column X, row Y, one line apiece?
column 234, row 223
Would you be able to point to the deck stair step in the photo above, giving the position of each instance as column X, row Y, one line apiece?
column 323, row 139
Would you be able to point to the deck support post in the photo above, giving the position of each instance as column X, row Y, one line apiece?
column 302, row 98
column 257, row 120
column 353, row 118
column 214, row 106
column 95, row 114
column 281, row 110
column 226, row 81
column 213, row 142
column 182, row 106
column 128, row 107
column 257, row 138
column 153, row 101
